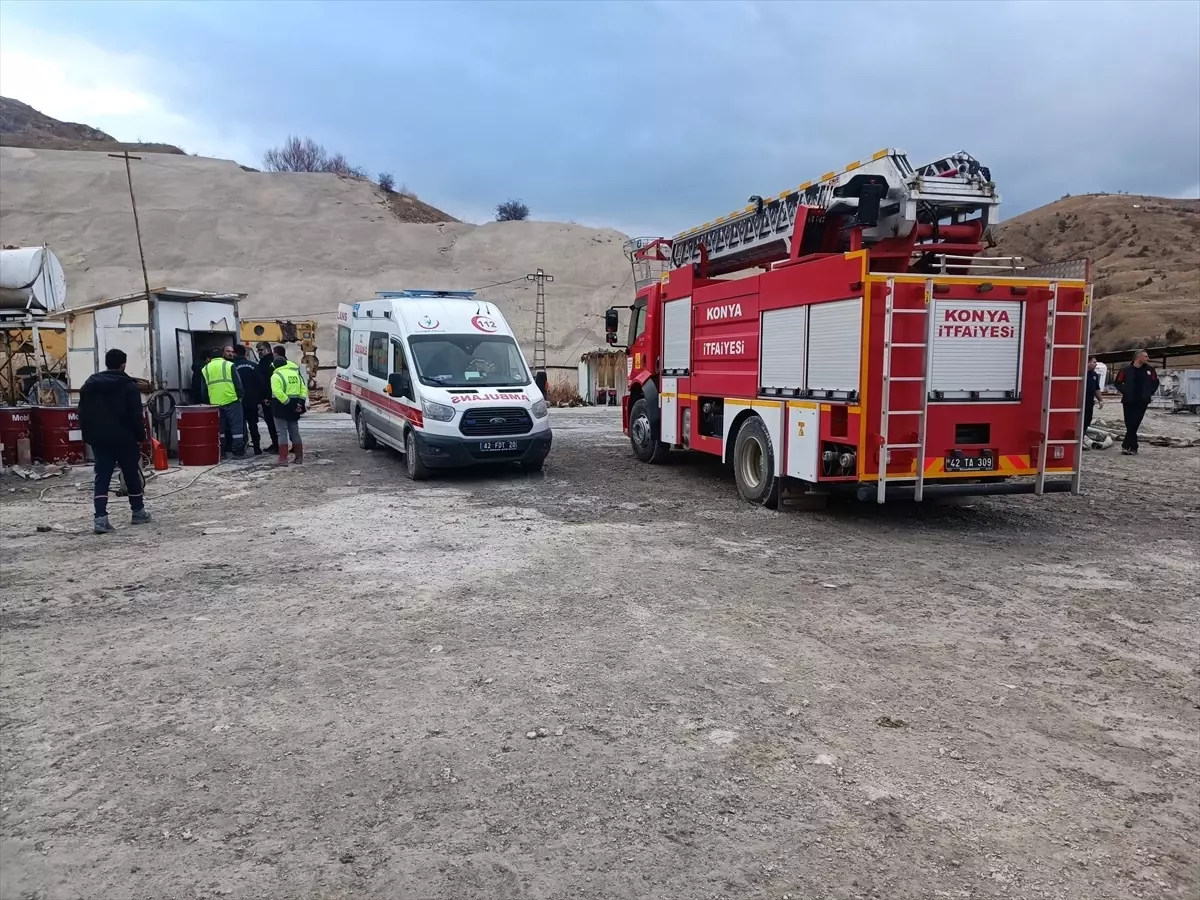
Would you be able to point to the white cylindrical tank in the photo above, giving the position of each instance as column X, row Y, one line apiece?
column 32, row 278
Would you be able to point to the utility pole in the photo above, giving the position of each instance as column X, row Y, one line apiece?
column 155, row 361
column 539, row 320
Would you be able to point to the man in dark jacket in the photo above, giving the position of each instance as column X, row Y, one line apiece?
column 1138, row 383
column 111, row 418
column 253, row 395
column 266, row 367
column 1093, row 398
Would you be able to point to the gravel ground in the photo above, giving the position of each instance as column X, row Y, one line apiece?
column 609, row 681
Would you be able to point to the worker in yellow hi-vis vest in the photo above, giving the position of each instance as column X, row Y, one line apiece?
column 221, row 386
column 289, row 401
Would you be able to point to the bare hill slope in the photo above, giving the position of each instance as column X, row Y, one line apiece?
column 23, row 126
column 1146, row 255
column 297, row 243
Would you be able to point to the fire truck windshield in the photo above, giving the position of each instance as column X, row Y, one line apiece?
column 468, row 360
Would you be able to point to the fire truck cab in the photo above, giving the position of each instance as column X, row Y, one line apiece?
column 850, row 335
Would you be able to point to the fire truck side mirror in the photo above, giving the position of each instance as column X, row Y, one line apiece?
column 612, row 321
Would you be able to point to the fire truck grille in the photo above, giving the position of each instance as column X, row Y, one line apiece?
column 491, row 421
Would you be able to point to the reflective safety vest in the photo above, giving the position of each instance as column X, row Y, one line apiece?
column 218, row 377
column 288, row 384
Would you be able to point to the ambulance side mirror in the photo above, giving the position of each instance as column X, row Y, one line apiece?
column 400, row 385
column 612, row 322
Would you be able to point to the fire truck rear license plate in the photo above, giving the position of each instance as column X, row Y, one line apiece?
column 497, row 446
column 970, row 463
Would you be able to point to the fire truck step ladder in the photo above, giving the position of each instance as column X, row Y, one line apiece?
column 886, row 412
column 1045, row 442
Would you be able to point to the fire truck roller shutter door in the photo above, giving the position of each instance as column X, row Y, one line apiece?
column 976, row 348
column 782, row 356
column 677, row 336
column 835, row 346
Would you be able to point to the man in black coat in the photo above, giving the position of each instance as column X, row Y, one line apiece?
column 266, row 366
column 1138, row 383
column 112, row 421
column 254, row 393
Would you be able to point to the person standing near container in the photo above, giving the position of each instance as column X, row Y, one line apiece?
column 223, row 389
column 266, row 366
column 254, row 393
column 289, row 398
column 112, row 422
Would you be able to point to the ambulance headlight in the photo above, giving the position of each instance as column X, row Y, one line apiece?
column 439, row 412
column 540, row 410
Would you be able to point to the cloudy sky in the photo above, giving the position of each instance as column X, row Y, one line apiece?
column 647, row 116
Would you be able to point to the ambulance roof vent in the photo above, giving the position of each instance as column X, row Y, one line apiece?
column 425, row 295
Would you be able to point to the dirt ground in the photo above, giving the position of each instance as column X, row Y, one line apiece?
column 321, row 683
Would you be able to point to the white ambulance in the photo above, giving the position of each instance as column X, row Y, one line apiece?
column 438, row 376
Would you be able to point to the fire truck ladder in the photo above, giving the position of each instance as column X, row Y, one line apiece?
column 886, row 412
column 1044, row 442
column 884, row 193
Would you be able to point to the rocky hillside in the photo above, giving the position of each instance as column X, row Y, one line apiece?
column 1146, row 258
column 297, row 243
column 23, row 126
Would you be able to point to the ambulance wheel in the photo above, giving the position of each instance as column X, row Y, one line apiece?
column 366, row 440
column 643, row 435
column 417, row 470
column 754, row 464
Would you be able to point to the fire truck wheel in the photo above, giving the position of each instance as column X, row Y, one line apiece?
column 643, row 435
column 366, row 440
column 754, row 463
column 417, row 470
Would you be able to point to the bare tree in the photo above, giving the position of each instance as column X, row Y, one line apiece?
column 387, row 182
column 512, row 211
column 306, row 155
column 296, row 155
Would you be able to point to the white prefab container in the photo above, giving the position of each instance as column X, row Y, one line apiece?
column 161, row 343
column 31, row 280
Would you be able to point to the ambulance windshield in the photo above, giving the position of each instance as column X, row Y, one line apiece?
column 468, row 360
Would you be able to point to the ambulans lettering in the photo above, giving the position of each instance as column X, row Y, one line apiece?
column 467, row 398
column 723, row 348
column 727, row 311
column 979, row 323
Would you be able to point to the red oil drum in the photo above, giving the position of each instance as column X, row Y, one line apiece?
column 56, row 435
column 199, row 435
column 16, row 422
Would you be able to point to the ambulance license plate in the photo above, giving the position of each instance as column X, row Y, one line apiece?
column 497, row 446
column 964, row 463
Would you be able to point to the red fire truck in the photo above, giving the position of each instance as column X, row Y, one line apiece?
column 852, row 334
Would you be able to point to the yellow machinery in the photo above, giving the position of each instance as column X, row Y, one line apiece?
column 32, row 353
column 275, row 331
